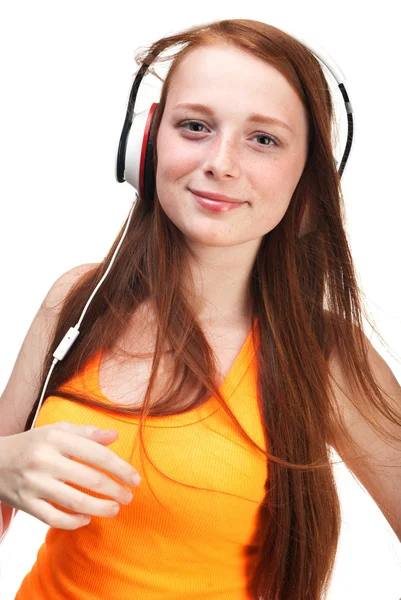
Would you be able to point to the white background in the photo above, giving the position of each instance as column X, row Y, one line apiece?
column 66, row 72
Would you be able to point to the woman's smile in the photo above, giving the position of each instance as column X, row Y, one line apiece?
column 216, row 205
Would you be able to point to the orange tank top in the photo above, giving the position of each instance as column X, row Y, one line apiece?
column 171, row 541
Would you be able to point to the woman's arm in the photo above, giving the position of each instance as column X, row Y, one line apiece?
column 380, row 471
column 19, row 395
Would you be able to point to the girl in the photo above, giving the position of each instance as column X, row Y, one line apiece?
column 225, row 350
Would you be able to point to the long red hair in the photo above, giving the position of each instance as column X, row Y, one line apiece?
column 304, row 310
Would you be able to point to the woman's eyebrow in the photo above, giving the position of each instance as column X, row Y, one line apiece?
column 253, row 118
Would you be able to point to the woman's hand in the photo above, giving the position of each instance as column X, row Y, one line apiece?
column 36, row 465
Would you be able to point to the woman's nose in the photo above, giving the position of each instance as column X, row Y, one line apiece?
column 221, row 158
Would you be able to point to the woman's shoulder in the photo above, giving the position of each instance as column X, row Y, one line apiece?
column 23, row 385
column 61, row 287
column 67, row 280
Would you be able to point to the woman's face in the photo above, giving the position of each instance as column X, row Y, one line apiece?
column 227, row 148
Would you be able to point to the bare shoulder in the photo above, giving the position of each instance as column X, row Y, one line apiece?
column 63, row 285
column 22, row 387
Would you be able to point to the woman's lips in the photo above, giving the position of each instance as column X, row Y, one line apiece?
column 216, row 205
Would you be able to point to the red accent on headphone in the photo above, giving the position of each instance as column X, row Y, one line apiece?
column 143, row 149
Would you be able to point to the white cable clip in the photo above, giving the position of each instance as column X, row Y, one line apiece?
column 66, row 343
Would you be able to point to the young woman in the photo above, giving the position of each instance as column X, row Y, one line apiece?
column 225, row 351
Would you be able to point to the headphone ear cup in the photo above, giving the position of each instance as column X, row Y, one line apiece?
column 138, row 159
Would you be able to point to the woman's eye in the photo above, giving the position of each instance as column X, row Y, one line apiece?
column 267, row 137
column 195, row 123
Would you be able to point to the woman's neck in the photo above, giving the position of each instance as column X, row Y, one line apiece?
column 221, row 284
